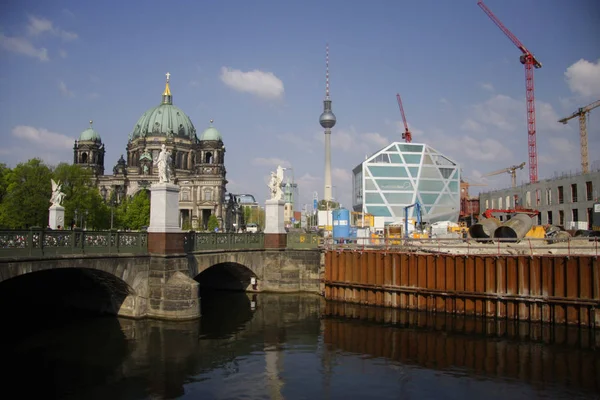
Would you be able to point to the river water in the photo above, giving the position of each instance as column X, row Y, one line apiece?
column 295, row 346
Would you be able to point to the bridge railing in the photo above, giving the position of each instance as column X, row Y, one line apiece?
column 297, row 240
column 198, row 241
column 40, row 242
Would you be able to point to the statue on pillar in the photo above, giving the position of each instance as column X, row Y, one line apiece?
column 57, row 195
column 163, row 162
column 275, row 183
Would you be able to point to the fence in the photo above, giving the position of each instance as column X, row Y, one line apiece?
column 555, row 289
column 39, row 242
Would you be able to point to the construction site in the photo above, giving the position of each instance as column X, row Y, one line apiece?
column 412, row 191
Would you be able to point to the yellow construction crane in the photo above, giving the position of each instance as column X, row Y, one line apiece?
column 511, row 170
column 582, row 113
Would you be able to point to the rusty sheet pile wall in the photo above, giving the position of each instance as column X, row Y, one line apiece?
column 534, row 353
column 557, row 289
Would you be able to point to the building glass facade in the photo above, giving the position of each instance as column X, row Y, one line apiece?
column 402, row 174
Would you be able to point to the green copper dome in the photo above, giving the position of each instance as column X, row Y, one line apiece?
column 211, row 133
column 164, row 120
column 90, row 135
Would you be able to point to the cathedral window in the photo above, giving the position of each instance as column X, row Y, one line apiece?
column 208, row 158
column 84, row 158
column 207, row 195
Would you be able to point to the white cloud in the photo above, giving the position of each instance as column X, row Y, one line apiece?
column 487, row 86
column 271, row 162
column 563, row 145
column 62, row 53
column 38, row 26
column 23, row 46
column 375, row 138
column 259, row 83
column 472, row 126
column 65, row 90
column 42, row 137
column 583, row 78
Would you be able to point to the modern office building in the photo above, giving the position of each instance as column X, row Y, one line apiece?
column 402, row 174
column 566, row 200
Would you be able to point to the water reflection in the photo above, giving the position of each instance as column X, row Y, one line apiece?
column 296, row 346
column 542, row 355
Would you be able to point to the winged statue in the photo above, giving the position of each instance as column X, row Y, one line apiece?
column 275, row 183
column 57, row 195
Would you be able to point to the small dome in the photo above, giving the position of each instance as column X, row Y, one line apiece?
column 90, row 135
column 211, row 133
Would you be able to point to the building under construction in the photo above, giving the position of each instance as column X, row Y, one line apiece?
column 565, row 200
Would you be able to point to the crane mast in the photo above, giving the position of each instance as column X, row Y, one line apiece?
column 406, row 135
column 582, row 113
column 530, row 62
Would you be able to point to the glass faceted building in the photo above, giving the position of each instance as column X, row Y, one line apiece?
column 402, row 174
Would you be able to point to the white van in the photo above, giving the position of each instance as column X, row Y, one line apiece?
column 252, row 228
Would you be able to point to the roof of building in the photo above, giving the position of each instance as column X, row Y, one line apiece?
column 90, row 135
column 211, row 133
column 164, row 120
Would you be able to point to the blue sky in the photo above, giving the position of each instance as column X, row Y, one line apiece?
column 258, row 69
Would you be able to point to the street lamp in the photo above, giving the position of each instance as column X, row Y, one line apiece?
column 111, row 202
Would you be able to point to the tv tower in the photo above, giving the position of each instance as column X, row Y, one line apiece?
column 327, row 121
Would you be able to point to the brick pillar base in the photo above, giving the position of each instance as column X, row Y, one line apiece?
column 165, row 243
column 275, row 240
column 172, row 293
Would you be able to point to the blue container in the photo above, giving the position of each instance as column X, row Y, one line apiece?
column 341, row 223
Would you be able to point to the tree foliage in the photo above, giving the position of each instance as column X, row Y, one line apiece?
column 324, row 205
column 81, row 196
column 27, row 197
column 213, row 223
column 133, row 212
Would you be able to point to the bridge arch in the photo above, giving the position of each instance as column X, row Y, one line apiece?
column 107, row 285
column 226, row 276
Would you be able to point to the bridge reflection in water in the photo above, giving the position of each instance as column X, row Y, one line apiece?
column 286, row 346
column 541, row 355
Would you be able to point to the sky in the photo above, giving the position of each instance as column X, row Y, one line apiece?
column 257, row 68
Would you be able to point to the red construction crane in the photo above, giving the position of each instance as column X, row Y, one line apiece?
column 406, row 134
column 530, row 62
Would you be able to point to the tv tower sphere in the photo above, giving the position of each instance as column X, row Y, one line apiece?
column 327, row 119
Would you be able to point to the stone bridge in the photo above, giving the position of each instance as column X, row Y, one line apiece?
column 123, row 274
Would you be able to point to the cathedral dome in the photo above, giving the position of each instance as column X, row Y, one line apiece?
column 90, row 135
column 211, row 133
column 164, row 120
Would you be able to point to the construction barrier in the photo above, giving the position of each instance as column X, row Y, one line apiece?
column 550, row 289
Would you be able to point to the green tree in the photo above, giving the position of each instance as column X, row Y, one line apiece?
column 324, row 205
column 82, row 195
column 4, row 171
column 248, row 216
column 213, row 222
column 27, row 197
column 137, row 211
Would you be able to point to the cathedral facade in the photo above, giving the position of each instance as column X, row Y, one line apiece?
column 198, row 163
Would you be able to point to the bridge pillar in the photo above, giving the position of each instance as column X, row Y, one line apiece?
column 172, row 294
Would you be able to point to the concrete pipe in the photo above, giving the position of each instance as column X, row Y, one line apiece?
column 515, row 228
column 484, row 229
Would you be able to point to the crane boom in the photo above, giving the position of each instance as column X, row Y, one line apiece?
column 529, row 61
column 406, row 135
column 582, row 113
column 512, row 170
